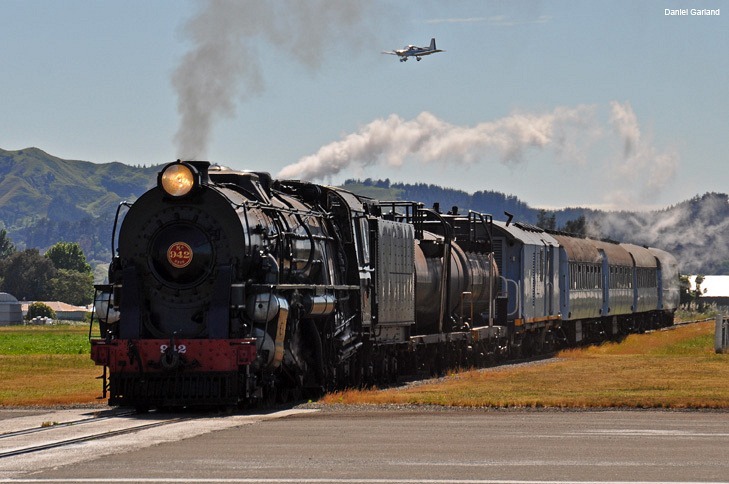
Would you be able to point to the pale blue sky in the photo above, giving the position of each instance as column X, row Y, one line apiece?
column 528, row 96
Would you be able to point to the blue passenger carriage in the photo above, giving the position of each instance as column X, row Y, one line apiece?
column 668, row 294
column 645, row 279
column 617, row 270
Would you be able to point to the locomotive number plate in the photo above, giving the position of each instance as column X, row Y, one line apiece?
column 182, row 349
column 179, row 255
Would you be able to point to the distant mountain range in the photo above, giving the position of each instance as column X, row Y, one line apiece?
column 45, row 199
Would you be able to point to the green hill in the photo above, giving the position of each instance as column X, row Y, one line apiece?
column 44, row 199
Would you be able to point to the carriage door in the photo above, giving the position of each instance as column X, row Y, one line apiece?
column 605, row 282
column 549, row 279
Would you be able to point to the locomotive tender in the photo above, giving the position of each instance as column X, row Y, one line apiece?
column 231, row 288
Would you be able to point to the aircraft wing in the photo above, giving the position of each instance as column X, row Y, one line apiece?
column 391, row 52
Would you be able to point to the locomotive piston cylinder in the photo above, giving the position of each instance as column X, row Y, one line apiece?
column 262, row 308
column 265, row 346
column 322, row 305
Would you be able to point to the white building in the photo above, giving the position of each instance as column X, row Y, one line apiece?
column 10, row 310
column 714, row 290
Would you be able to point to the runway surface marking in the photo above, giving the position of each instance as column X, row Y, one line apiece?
column 647, row 433
column 347, row 481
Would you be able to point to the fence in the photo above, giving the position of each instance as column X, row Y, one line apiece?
column 721, row 336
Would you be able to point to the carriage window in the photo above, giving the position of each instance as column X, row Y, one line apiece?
column 362, row 235
column 590, row 276
column 628, row 278
column 580, row 282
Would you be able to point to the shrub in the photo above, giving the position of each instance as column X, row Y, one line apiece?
column 39, row 309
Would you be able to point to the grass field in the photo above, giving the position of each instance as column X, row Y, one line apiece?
column 50, row 365
column 47, row 365
column 664, row 369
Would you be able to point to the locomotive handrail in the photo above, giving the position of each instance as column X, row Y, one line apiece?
column 517, row 304
column 491, row 288
column 413, row 214
column 487, row 225
column 116, row 220
column 445, row 284
column 447, row 228
column 549, row 298
column 463, row 296
column 100, row 289
column 320, row 287
column 269, row 206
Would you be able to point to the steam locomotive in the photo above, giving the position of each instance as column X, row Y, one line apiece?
column 232, row 288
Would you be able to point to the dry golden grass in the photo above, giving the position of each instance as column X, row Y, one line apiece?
column 48, row 380
column 47, row 365
column 666, row 369
column 669, row 369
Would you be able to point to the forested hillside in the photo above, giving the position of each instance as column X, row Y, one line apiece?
column 45, row 199
column 695, row 230
column 484, row 201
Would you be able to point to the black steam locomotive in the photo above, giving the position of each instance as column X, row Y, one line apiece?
column 231, row 288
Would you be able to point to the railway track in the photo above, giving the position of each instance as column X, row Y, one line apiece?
column 53, row 436
column 55, row 425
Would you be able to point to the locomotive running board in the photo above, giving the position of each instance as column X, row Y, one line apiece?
column 475, row 334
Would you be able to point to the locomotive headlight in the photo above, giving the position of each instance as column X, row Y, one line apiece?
column 178, row 179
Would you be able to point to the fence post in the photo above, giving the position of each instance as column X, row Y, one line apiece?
column 721, row 334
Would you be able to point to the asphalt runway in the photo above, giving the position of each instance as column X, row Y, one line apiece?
column 409, row 446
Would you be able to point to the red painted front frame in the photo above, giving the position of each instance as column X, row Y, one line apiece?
column 210, row 354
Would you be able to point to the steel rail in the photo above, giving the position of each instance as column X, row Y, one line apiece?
column 103, row 435
column 63, row 424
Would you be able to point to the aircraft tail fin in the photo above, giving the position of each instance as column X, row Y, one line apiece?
column 432, row 44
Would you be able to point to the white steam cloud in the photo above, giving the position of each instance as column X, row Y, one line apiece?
column 635, row 173
column 223, row 65
column 695, row 231
column 426, row 138
column 642, row 169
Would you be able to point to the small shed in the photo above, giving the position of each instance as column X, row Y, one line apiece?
column 10, row 310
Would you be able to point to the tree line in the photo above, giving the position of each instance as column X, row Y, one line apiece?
column 61, row 274
column 548, row 221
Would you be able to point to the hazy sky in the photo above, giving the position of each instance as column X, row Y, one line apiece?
column 610, row 103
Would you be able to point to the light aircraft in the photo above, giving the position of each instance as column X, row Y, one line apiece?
column 414, row 51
